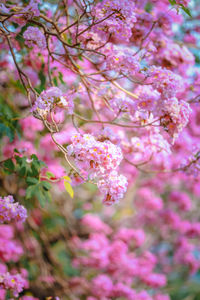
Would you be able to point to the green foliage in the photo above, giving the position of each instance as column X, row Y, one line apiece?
column 60, row 76
column 50, row 175
column 38, row 189
column 30, row 171
column 184, row 8
column 148, row 7
column 9, row 126
column 42, row 78
column 64, row 259
column 55, row 81
column 172, row 2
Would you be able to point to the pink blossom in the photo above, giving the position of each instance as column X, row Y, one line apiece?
column 34, row 36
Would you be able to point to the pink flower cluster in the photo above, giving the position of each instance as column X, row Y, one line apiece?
column 33, row 36
column 176, row 117
column 11, row 250
column 117, row 267
column 15, row 283
column 165, row 81
column 121, row 59
column 9, row 210
column 100, row 159
column 160, row 100
column 113, row 186
column 52, row 97
column 173, row 217
column 118, row 18
column 32, row 7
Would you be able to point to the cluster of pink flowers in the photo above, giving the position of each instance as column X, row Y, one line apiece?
column 118, row 267
column 10, row 210
column 165, row 81
column 177, row 116
column 118, row 18
column 121, row 59
column 31, row 9
column 10, row 250
column 171, row 54
column 52, row 97
column 148, row 98
column 175, row 224
column 100, row 159
column 113, row 186
column 121, row 103
column 13, row 282
column 33, row 36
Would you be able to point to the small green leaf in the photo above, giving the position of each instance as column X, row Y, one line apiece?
column 148, row 7
column 22, row 171
column 6, row 130
column 55, row 81
column 8, row 164
column 34, row 170
column 41, row 197
column 172, row 2
column 69, row 41
column 42, row 78
column 69, row 189
column 50, row 175
column 46, row 185
column 48, row 196
column 31, row 181
column 80, row 57
column 31, row 190
column 186, row 10
column 34, row 157
column 60, row 76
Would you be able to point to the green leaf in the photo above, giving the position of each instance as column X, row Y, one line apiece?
column 22, row 171
column 6, row 130
column 50, row 175
column 31, row 181
column 8, row 123
column 31, row 190
column 22, row 161
column 42, row 78
column 55, row 81
column 80, row 57
column 34, row 170
column 172, row 2
column 60, row 76
column 69, row 41
column 48, row 196
column 69, row 189
column 186, row 10
column 34, row 157
column 148, row 7
column 8, row 164
column 46, row 185
column 41, row 197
